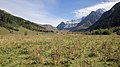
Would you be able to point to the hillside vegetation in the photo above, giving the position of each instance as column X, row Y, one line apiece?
column 14, row 23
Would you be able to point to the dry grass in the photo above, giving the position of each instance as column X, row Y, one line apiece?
column 57, row 50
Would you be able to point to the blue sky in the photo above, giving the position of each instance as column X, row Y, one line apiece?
column 53, row 11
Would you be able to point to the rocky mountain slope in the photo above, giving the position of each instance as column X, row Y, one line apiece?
column 68, row 25
column 109, row 19
column 89, row 20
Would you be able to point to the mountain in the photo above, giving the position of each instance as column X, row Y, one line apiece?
column 69, row 24
column 89, row 20
column 50, row 27
column 14, row 23
column 61, row 26
column 109, row 19
column 66, row 26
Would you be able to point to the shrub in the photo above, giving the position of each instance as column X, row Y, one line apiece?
column 106, row 32
column 12, row 28
column 118, row 32
column 96, row 32
column 116, row 29
column 101, row 32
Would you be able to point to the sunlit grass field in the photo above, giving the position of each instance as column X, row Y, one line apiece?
column 59, row 50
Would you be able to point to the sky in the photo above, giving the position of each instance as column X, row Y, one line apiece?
column 53, row 11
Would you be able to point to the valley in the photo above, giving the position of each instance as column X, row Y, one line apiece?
column 92, row 40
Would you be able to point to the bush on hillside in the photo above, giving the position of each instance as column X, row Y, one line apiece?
column 96, row 32
column 106, row 32
column 118, row 32
column 116, row 29
column 101, row 32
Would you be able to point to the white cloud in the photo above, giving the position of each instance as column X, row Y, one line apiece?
column 33, row 10
column 106, row 4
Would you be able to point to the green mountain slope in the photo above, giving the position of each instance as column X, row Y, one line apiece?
column 50, row 27
column 22, row 30
column 14, row 23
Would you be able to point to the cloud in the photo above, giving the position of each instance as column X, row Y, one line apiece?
column 106, row 4
column 33, row 10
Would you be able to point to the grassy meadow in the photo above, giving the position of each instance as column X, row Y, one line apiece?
column 59, row 50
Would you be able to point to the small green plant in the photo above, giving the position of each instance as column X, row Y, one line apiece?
column 92, row 55
column 23, row 51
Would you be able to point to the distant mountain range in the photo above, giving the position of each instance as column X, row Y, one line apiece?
column 68, row 25
column 109, row 19
column 100, row 19
column 82, row 23
column 13, row 23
